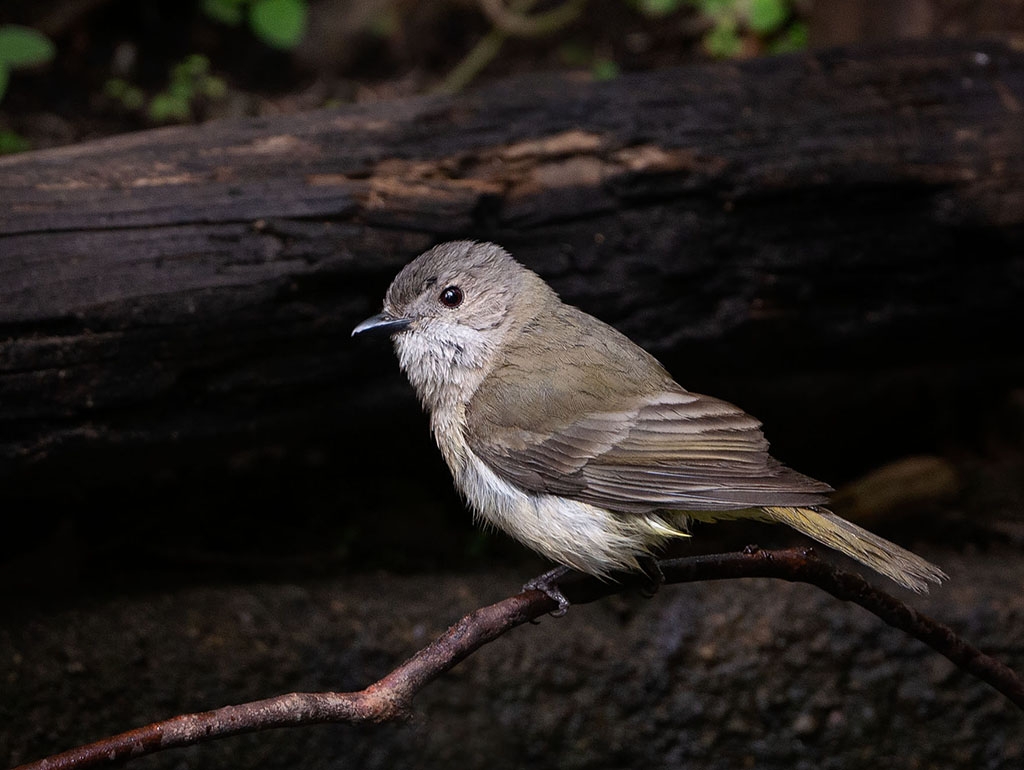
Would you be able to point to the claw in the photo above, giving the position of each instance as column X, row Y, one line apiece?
column 548, row 584
column 655, row 577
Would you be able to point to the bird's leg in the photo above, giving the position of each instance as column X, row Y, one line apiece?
column 655, row 577
column 548, row 584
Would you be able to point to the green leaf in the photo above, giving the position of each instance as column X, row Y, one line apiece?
column 195, row 65
column 190, row 68
column 723, row 42
column 604, row 69
column 24, row 47
column 130, row 97
column 278, row 23
column 795, row 38
column 213, row 87
column 11, row 142
column 718, row 9
column 5, row 76
column 225, row 11
column 115, row 88
column 181, row 89
column 657, row 8
column 767, row 16
column 133, row 98
column 167, row 108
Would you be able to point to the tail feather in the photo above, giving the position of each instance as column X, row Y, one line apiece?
column 899, row 564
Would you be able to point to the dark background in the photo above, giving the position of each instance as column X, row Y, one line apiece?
column 145, row 577
column 825, row 410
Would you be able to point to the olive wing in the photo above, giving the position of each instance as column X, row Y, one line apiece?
column 669, row 449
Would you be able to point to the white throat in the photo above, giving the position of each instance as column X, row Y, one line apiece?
column 445, row 363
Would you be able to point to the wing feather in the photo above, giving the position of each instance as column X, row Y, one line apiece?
column 622, row 435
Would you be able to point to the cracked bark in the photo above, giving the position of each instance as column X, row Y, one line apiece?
column 855, row 209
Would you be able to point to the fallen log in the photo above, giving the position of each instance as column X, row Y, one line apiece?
column 819, row 237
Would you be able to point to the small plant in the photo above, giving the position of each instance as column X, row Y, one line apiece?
column 660, row 7
column 190, row 81
column 738, row 27
column 12, row 142
column 278, row 23
column 577, row 55
column 21, row 48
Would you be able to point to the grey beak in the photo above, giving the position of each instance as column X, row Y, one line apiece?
column 382, row 323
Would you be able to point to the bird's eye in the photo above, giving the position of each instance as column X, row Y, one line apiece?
column 451, row 296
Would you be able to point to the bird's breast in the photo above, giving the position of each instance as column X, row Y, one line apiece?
column 448, row 424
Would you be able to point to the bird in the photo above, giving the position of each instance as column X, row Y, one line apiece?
column 562, row 432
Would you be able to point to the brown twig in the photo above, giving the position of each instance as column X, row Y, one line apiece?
column 515, row 22
column 509, row 21
column 391, row 697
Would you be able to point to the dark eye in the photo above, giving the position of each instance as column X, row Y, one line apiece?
column 451, row 296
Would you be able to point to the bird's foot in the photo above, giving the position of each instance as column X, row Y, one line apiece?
column 548, row 584
column 655, row 577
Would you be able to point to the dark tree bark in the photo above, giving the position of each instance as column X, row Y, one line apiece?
column 818, row 237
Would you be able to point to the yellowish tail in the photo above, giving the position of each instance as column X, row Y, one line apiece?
column 889, row 559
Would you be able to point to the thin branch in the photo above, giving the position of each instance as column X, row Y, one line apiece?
column 391, row 697
column 803, row 566
column 515, row 22
column 510, row 21
column 472, row 63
